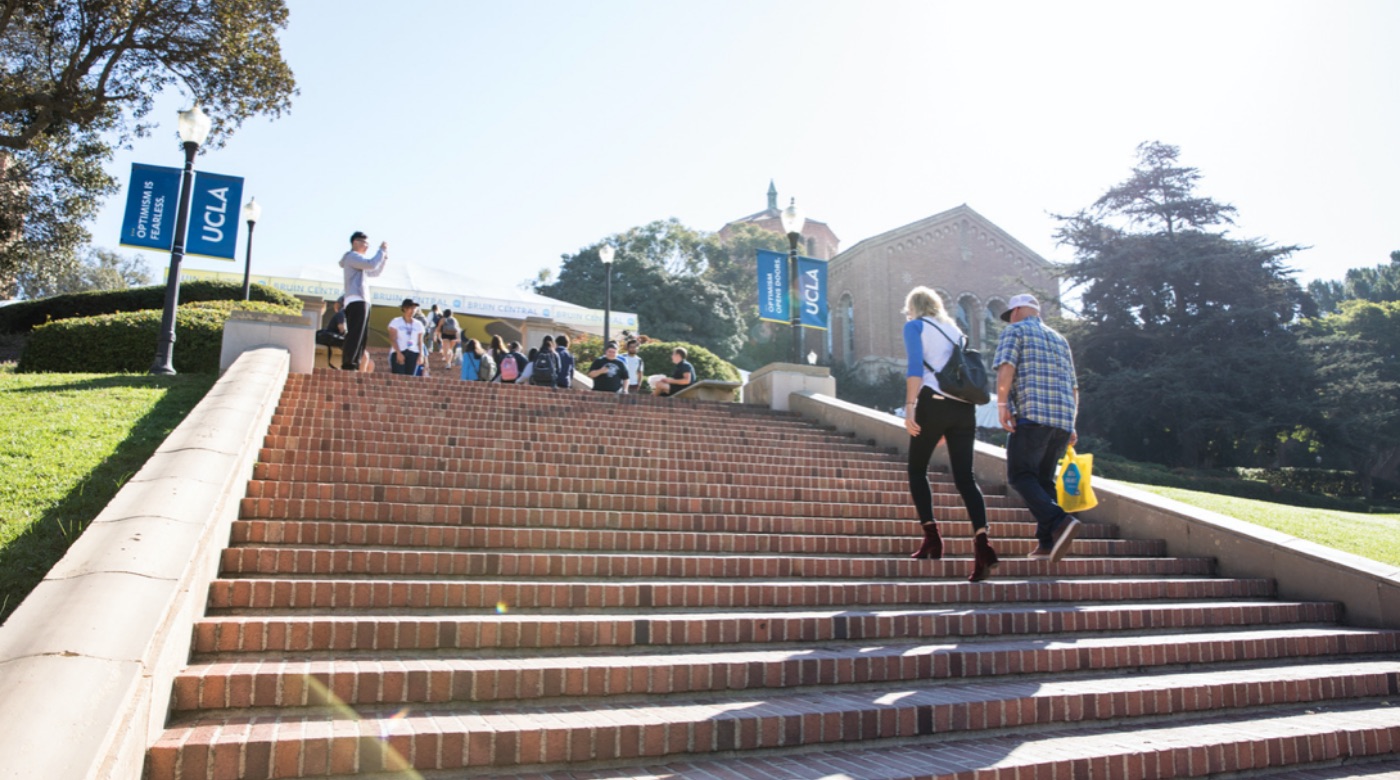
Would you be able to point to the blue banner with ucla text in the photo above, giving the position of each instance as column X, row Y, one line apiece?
column 151, row 202
column 811, row 291
column 213, row 228
column 773, row 287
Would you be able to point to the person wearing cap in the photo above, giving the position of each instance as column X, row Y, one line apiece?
column 357, row 266
column 1037, row 403
column 406, row 340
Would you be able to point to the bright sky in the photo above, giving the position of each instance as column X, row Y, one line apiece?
column 489, row 138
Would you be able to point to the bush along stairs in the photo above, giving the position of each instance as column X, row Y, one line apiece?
column 439, row 579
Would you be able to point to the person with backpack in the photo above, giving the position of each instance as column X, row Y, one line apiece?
column 477, row 363
column 564, row 376
column 543, row 369
column 931, row 415
column 511, row 365
column 498, row 353
column 447, row 331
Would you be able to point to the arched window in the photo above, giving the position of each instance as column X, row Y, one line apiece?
column 848, row 329
column 963, row 316
column 992, row 325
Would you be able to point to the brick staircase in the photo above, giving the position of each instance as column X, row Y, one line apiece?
column 444, row 579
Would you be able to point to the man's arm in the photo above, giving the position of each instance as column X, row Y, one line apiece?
column 1006, row 376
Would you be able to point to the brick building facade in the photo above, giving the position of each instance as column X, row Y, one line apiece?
column 974, row 265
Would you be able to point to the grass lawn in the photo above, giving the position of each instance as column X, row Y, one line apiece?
column 68, row 442
column 1372, row 536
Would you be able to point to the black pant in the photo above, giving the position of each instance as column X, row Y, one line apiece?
column 956, row 423
column 406, row 364
column 356, row 330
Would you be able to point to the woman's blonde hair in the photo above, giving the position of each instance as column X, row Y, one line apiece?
column 923, row 302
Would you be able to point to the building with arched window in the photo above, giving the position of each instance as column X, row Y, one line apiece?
column 974, row 265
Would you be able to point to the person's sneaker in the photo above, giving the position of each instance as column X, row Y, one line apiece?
column 1063, row 537
column 1040, row 554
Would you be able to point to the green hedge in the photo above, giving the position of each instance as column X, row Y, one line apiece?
column 1221, row 482
column 24, row 316
column 656, row 355
column 126, row 342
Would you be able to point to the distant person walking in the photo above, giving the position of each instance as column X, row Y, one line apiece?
column 357, row 298
column 565, row 377
column 448, row 331
column 930, row 416
column 1037, row 402
column 544, row 365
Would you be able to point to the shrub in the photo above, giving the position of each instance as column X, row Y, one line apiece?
column 657, row 357
column 24, row 316
column 125, row 342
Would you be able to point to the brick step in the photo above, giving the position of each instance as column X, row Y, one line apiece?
column 397, row 562
column 359, row 680
column 547, row 493
column 445, row 738
column 453, row 459
column 452, row 594
column 1199, row 747
column 393, row 415
column 483, row 442
column 898, row 522
column 1355, row 768
column 956, row 542
column 502, row 630
column 393, row 470
column 652, row 513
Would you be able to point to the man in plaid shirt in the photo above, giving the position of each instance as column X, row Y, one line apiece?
column 1037, row 400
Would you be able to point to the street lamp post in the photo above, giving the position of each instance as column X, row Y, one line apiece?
column 793, row 221
column 194, row 128
column 251, row 212
column 606, row 254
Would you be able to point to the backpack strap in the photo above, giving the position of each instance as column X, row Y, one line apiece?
column 957, row 345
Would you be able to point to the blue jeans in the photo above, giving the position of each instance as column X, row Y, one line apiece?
column 1032, row 453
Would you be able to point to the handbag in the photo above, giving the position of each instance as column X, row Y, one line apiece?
column 964, row 376
column 1072, row 484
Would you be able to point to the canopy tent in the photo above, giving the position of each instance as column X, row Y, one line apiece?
column 462, row 294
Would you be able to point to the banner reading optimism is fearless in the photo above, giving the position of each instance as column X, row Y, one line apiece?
column 153, row 199
column 773, row 287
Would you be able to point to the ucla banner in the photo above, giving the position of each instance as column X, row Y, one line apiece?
column 151, row 202
column 773, row 287
column 213, row 229
column 811, row 291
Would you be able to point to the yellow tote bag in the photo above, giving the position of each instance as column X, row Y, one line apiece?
column 1072, row 484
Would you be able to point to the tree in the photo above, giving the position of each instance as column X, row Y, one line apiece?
column 100, row 269
column 656, row 276
column 736, row 271
column 1183, row 338
column 1354, row 354
column 79, row 77
column 1378, row 285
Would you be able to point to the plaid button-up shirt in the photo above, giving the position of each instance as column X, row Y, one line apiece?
column 1043, row 391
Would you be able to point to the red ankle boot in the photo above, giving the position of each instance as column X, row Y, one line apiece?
column 984, row 559
column 932, row 548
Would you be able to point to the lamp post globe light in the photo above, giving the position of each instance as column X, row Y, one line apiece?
column 606, row 253
column 793, row 222
column 251, row 212
column 194, row 128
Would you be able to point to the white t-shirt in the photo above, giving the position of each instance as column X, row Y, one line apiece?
column 407, row 335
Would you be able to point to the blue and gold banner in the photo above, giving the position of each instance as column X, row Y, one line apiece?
column 151, row 203
column 213, row 229
column 773, row 287
column 811, row 291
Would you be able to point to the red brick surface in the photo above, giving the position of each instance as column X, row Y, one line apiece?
column 410, row 589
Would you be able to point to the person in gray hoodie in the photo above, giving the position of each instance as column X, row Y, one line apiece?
column 357, row 266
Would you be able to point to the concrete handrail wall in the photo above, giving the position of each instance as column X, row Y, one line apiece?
column 1305, row 571
column 88, row 659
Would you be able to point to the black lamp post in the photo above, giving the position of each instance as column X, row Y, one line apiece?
column 606, row 254
column 251, row 212
column 792, row 225
column 194, row 128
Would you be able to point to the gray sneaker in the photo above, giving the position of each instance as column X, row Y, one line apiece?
column 1068, row 530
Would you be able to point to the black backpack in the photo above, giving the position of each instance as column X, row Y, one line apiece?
column 964, row 376
column 546, row 367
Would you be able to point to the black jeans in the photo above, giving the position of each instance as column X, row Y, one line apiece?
column 356, row 329
column 1032, row 453
column 406, row 365
column 956, row 423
